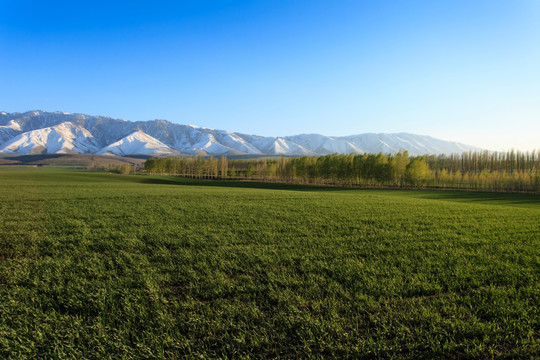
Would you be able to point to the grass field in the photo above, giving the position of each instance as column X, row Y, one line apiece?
column 98, row 265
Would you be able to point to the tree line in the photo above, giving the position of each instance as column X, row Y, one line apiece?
column 497, row 171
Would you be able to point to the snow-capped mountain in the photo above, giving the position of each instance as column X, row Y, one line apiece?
column 136, row 143
column 59, row 132
column 61, row 139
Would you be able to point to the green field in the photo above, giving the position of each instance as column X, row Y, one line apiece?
column 99, row 265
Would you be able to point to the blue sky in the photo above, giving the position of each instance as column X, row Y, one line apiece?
column 467, row 71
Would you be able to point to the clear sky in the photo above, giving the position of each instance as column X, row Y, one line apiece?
column 463, row 70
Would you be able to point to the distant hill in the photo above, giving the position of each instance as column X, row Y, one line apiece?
column 79, row 160
column 39, row 132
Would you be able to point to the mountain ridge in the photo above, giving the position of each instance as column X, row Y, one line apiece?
column 87, row 134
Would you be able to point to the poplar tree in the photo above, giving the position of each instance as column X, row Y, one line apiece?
column 416, row 172
column 398, row 165
column 223, row 166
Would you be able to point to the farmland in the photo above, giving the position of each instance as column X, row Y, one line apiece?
column 97, row 265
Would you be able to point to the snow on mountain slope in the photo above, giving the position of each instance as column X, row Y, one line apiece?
column 274, row 145
column 281, row 146
column 235, row 141
column 13, row 125
column 320, row 144
column 209, row 145
column 137, row 143
column 164, row 137
column 414, row 144
column 63, row 138
column 9, row 131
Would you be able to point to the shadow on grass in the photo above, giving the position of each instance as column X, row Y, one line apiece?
column 24, row 159
column 494, row 198
column 240, row 184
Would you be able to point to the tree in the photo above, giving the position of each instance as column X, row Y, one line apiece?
column 124, row 169
column 398, row 165
column 232, row 171
column 381, row 168
column 250, row 170
column 199, row 166
column 417, row 171
column 150, row 165
column 223, row 166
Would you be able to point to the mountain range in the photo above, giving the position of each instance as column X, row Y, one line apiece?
column 40, row 132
